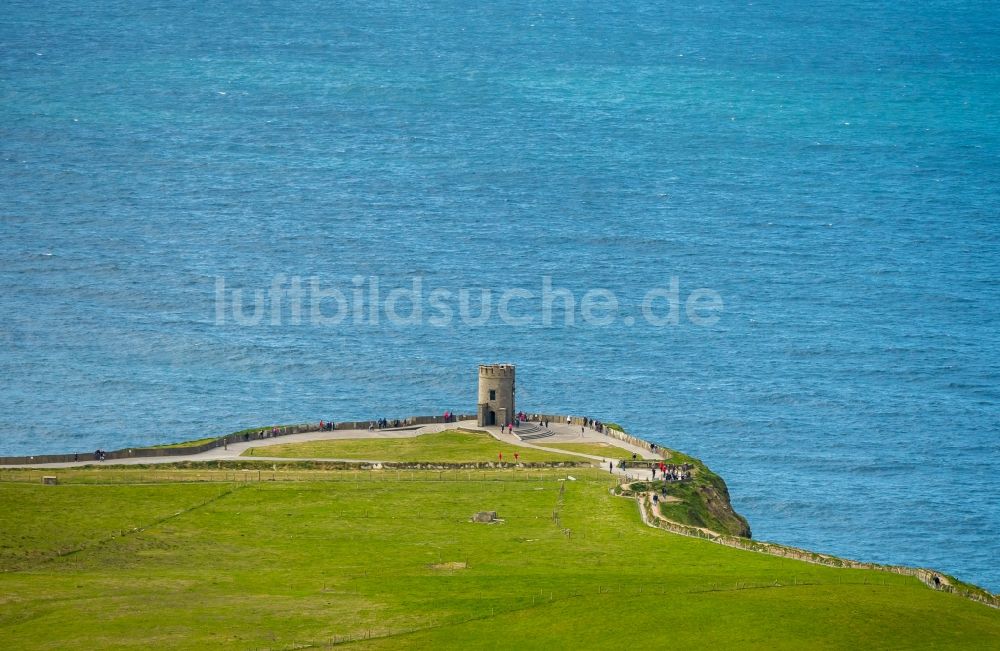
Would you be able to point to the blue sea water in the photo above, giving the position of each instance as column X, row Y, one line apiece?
column 831, row 170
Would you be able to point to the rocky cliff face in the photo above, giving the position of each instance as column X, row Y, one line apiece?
column 715, row 497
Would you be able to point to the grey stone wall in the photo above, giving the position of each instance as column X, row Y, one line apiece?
column 254, row 434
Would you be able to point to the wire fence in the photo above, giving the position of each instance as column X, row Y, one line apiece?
column 229, row 479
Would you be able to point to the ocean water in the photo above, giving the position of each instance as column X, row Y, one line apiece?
column 830, row 170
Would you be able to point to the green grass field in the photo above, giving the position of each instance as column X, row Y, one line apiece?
column 391, row 560
column 452, row 445
column 187, row 444
column 598, row 449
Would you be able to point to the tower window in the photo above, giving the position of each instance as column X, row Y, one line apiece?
column 493, row 394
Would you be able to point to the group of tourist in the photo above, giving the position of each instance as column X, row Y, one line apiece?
column 522, row 417
column 383, row 423
column 326, row 426
column 99, row 455
column 519, row 417
column 671, row 472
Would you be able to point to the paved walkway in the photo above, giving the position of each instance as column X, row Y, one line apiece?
column 562, row 433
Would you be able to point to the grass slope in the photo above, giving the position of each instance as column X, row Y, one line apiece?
column 358, row 555
column 187, row 444
column 598, row 449
column 451, row 445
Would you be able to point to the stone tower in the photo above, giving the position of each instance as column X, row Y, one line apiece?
column 496, row 394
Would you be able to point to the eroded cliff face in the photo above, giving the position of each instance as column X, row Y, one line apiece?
column 715, row 497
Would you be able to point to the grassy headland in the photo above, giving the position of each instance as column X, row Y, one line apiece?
column 390, row 560
column 256, row 554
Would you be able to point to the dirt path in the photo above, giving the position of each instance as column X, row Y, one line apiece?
column 646, row 499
